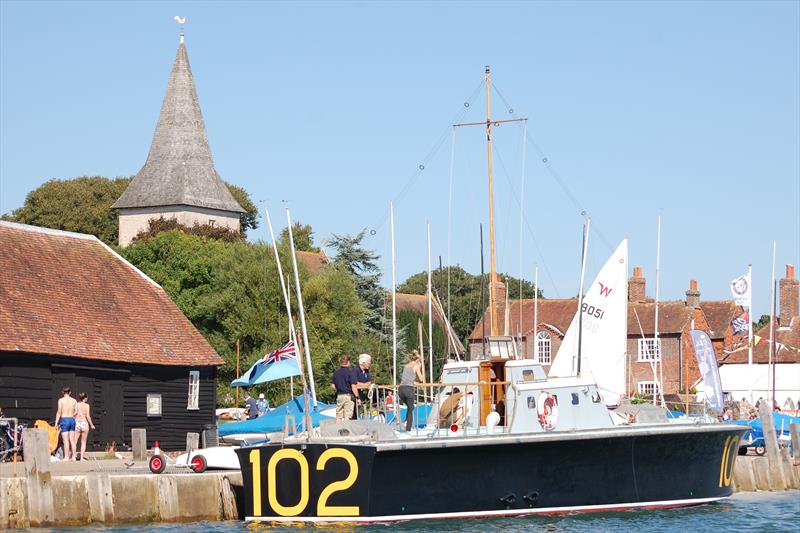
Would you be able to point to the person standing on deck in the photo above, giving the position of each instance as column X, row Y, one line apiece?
column 65, row 420
column 411, row 372
column 83, row 421
column 363, row 380
column 344, row 383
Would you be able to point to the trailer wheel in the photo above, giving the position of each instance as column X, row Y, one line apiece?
column 198, row 464
column 157, row 464
column 761, row 450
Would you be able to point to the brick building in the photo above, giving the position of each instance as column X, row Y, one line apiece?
column 676, row 318
column 752, row 382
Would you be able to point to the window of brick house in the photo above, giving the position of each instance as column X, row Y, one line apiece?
column 194, row 390
column 649, row 350
column 647, row 387
column 543, row 344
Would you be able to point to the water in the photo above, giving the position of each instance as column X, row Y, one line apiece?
column 762, row 511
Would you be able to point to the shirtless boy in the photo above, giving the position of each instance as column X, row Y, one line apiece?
column 65, row 420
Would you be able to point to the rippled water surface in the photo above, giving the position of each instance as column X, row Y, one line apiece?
column 772, row 512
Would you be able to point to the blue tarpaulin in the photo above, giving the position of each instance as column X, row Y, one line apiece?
column 274, row 419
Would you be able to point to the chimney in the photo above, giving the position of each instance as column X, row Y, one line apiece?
column 636, row 286
column 693, row 295
column 789, row 295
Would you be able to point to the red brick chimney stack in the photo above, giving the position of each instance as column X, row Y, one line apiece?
column 636, row 286
column 789, row 290
column 693, row 295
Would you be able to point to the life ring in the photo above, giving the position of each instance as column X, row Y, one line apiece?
column 548, row 410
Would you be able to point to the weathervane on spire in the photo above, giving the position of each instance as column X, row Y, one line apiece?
column 180, row 20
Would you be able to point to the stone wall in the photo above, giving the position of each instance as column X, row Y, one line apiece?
column 132, row 221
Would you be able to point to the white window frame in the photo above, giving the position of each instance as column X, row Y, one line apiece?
column 647, row 347
column 647, row 387
column 194, row 391
column 547, row 342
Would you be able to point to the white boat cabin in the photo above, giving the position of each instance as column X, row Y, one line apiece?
column 502, row 393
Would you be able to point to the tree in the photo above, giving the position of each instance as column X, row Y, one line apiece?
column 230, row 291
column 248, row 219
column 362, row 265
column 303, row 236
column 81, row 204
column 465, row 307
column 763, row 321
column 84, row 205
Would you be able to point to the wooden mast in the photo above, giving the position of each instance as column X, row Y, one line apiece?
column 493, row 274
column 488, row 123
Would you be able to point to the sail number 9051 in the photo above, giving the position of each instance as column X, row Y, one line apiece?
column 291, row 454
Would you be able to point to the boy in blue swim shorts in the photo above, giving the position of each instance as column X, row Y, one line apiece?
column 65, row 420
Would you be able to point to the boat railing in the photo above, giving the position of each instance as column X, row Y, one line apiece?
column 435, row 409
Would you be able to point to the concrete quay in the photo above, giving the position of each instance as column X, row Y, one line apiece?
column 39, row 493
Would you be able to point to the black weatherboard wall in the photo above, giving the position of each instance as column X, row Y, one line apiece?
column 30, row 386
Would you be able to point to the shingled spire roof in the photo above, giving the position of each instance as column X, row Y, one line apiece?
column 179, row 169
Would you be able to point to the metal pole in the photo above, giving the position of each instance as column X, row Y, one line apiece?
column 657, row 347
column 396, row 402
column 580, row 293
column 430, row 309
column 536, row 314
column 302, row 312
column 750, row 328
column 771, row 367
column 237, row 371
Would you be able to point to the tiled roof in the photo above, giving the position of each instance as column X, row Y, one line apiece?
column 789, row 337
column 314, row 261
column 68, row 294
column 419, row 303
column 672, row 316
column 719, row 315
column 179, row 169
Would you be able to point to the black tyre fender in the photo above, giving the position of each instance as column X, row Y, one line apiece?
column 198, row 464
column 157, row 464
column 743, row 450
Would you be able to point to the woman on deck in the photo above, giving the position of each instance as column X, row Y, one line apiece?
column 83, row 421
column 411, row 372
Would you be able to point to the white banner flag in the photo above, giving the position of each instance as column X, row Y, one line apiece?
column 740, row 289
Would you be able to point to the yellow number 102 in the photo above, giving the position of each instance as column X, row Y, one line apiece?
column 323, row 509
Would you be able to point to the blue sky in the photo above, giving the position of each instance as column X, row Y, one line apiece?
column 689, row 110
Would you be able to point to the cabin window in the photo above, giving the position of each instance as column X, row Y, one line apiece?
column 575, row 400
column 647, row 387
column 194, row 390
column 531, row 402
column 649, row 350
column 543, row 348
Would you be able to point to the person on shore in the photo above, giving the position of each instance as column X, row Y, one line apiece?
column 65, row 421
column 411, row 372
column 251, row 407
column 83, row 421
column 263, row 405
column 363, row 381
column 344, row 383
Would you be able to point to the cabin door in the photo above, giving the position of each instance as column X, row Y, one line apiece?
column 109, row 415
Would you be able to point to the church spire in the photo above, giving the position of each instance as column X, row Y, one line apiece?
column 179, row 170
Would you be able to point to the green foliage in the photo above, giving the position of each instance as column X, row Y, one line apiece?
column 157, row 225
column 229, row 291
column 303, row 235
column 81, row 204
column 361, row 264
column 248, row 219
column 84, row 205
column 763, row 321
column 465, row 294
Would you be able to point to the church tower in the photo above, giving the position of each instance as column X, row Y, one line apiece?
column 178, row 180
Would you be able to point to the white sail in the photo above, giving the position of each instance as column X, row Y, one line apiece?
column 605, row 331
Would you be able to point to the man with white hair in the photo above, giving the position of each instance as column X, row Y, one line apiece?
column 363, row 380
